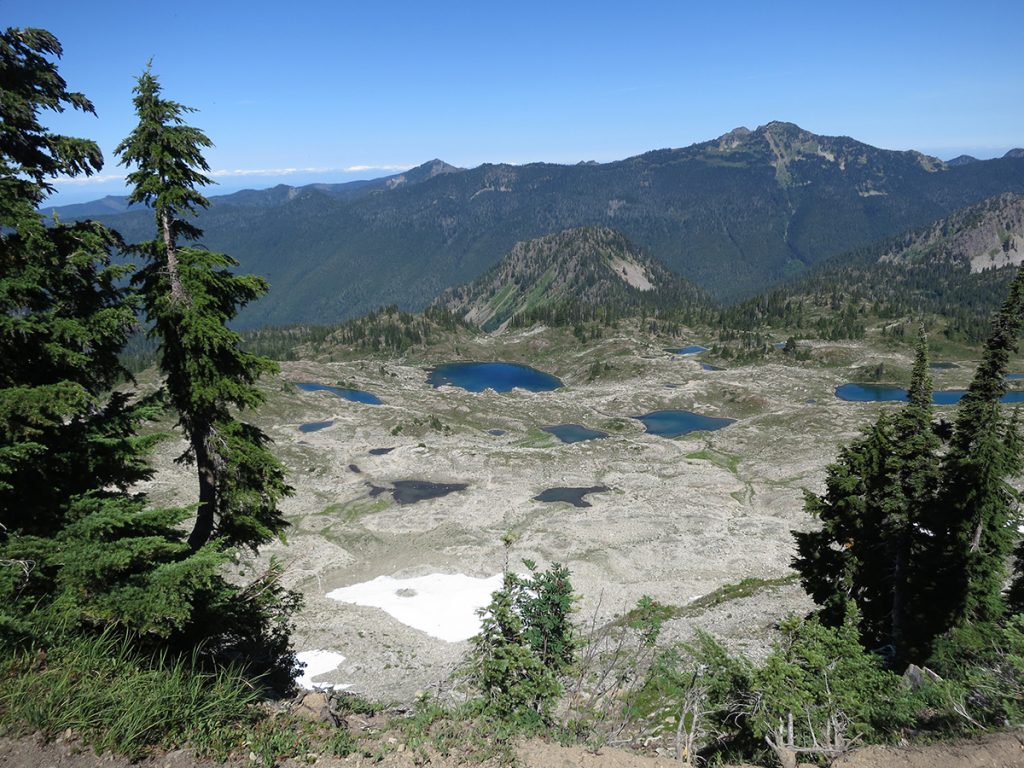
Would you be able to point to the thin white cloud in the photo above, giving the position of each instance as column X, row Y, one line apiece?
column 292, row 171
column 77, row 180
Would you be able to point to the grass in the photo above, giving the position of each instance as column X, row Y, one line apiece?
column 117, row 700
column 746, row 588
column 350, row 512
column 723, row 459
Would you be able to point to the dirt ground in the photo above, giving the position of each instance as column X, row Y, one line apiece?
column 1001, row 750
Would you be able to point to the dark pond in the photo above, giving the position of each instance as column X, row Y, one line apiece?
column 574, row 433
column 883, row 393
column 942, row 366
column 675, row 423
column 355, row 395
column 572, row 496
column 501, row 377
column 693, row 349
column 314, row 426
column 710, row 367
column 354, row 468
column 496, row 432
column 380, row 451
column 411, row 491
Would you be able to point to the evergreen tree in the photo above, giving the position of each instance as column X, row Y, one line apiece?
column 908, row 509
column 190, row 297
column 876, row 542
column 978, row 507
column 76, row 548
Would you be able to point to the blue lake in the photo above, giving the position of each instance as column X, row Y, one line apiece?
column 710, row 367
column 883, row 393
column 1015, row 377
column 691, row 350
column 501, row 377
column 354, row 395
column 574, row 433
column 676, row 423
column 314, row 426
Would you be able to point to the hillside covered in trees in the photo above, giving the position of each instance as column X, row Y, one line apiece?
column 733, row 215
column 574, row 276
column 954, row 271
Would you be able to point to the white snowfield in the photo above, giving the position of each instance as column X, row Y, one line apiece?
column 319, row 663
column 443, row 605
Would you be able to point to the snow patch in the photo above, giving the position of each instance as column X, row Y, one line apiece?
column 318, row 663
column 442, row 605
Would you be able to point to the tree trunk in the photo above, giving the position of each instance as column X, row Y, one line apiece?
column 203, row 528
column 177, row 292
column 900, row 588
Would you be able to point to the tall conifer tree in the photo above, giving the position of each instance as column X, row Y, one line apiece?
column 874, row 540
column 77, row 549
column 978, row 507
column 190, row 297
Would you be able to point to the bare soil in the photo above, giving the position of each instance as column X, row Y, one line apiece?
column 1000, row 750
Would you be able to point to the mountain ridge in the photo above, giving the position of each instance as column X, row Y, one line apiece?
column 734, row 215
column 956, row 269
column 593, row 267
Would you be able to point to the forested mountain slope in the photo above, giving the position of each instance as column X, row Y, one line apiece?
column 564, row 275
column 956, row 269
column 735, row 215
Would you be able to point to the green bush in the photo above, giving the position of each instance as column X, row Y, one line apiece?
column 983, row 669
column 526, row 641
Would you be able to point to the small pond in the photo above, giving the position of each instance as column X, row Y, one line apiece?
column 354, row 395
column 496, row 432
column 886, row 393
column 314, row 426
column 693, row 349
column 411, row 491
column 1015, row 377
column 572, row 496
column 941, row 366
column 574, row 433
column 380, row 451
column 710, row 367
column 676, row 423
column 501, row 377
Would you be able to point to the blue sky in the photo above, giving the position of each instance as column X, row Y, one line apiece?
column 376, row 86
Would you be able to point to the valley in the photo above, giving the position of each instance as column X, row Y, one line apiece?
column 678, row 519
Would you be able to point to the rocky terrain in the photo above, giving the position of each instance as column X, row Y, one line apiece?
column 682, row 517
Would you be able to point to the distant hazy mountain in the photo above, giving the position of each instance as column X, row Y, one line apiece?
column 957, row 268
column 102, row 207
column 734, row 215
column 592, row 266
column 961, row 160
